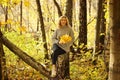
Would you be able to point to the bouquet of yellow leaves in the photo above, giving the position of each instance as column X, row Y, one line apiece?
column 65, row 38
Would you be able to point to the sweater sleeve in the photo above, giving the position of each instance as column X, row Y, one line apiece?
column 72, row 35
column 54, row 37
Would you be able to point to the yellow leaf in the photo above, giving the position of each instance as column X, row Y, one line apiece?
column 65, row 38
column 22, row 28
column 26, row 3
column 9, row 21
column 15, row 2
column 3, row 23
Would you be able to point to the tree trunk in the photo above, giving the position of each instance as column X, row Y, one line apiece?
column 24, row 56
column 69, row 9
column 42, row 29
column 58, row 8
column 83, row 23
column 0, row 57
column 38, row 23
column 3, row 69
column 89, row 1
column 21, row 4
column 97, row 31
column 103, row 20
column 62, row 68
column 6, row 18
column 114, row 66
column 1, row 60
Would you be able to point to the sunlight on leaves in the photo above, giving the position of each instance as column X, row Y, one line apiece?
column 26, row 3
column 15, row 2
column 22, row 28
column 65, row 38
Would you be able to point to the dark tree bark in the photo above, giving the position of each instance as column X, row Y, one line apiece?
column 83, row 23
column 42, row 28
column 21, row 7
column 97, row 32
column 24, row 56
column 3, row 69
column 69, row 9
column 58, row 8
column 102, row 46
column 102, row 31
column 3, row 72
column 6, row 18
column 103, row 20
column 62, row 67
column 90, row 1
column 38, row 23
column 114, row 66
column 0, row 57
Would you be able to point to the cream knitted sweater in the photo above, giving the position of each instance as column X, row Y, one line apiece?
column 62, row 31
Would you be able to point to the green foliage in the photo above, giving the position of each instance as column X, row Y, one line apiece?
column 84, row 68
column 15, row 65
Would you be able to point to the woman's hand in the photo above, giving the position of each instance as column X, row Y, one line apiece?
column 61, row 42
column 65, row 39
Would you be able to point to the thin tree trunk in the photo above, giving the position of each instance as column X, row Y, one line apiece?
column 42, row 28
column 58, row 8
column 114, row 66
column 83, row 23
column 97, row 32
column 69, row 10
column 1, row 60
column 103, row 20
column 6, row 18
column 24, row 56
column 0, row 57
column 38, row 23
column 21, row 4
column 90, row 1
column 3, row 71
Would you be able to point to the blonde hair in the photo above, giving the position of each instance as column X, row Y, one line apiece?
column 67, row 21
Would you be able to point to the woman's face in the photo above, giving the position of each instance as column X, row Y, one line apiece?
column 63, row 21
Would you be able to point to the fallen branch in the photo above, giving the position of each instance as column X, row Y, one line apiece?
column 25, row 57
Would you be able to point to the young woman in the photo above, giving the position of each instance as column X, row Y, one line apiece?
column 62, row 39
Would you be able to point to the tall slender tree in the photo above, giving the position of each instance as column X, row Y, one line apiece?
column 58, row 8
column 6, row 18
column 69, row 10
column 0, row 57
column 42, row 28
column 3, row 70
column 114, row 66
column 21, row 15
column 98, row 22
column 103, row 20
column 89, row 1
column 83, row 22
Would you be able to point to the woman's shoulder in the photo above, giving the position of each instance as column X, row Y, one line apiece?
column 69, row 27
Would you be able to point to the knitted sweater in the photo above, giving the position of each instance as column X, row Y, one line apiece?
column 62, row 31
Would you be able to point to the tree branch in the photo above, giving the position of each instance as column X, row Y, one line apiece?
column 58, row 8
column 25, row 57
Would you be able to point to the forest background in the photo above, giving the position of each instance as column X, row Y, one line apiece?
column 30, row 26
